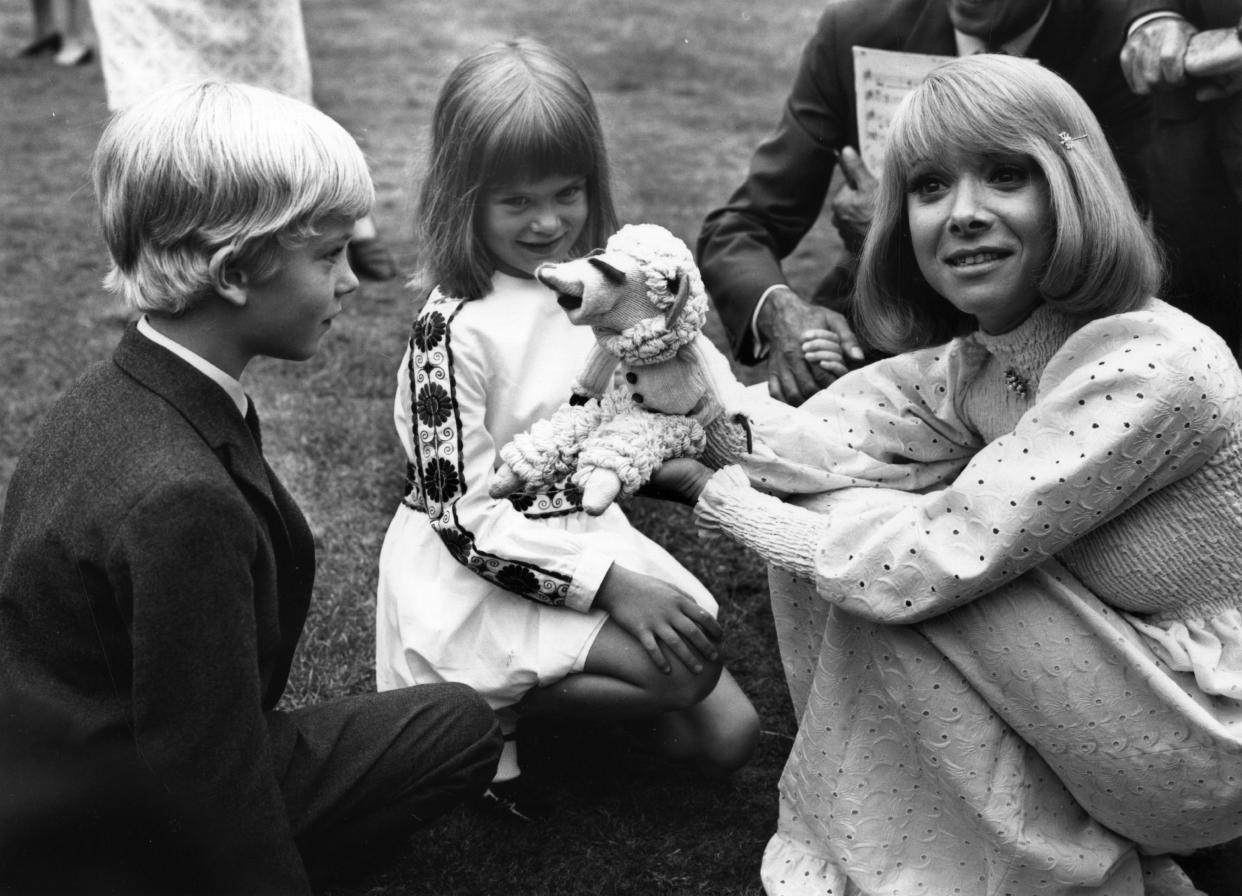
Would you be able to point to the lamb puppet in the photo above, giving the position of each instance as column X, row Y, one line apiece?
column 676, row 396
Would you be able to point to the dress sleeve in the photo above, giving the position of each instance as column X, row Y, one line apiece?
column 441, row 414
column 1123, row 410
column 891, row 424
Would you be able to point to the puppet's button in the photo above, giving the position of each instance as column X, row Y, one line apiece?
column 631, row 377
column 638, row 399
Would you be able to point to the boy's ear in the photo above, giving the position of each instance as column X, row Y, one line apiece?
column 228, row 277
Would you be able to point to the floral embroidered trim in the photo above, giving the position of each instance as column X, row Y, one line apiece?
column 436, row 480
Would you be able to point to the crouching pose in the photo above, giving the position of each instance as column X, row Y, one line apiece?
column 1005, row 575
column 155, row 574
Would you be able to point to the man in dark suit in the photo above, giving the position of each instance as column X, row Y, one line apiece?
column 155, row 574
column 1188, row 59
column 741, row 244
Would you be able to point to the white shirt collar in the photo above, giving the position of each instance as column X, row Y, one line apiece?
column 202, row 365
column 968, row 45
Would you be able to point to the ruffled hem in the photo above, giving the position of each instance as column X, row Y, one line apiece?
column 1210, row 648
column 789, row 870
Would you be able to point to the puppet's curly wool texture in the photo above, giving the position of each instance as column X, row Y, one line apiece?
column 651, row 341
column 633, row 445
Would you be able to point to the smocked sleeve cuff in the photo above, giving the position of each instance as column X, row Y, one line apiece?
column 782, row 534
column 587, row 578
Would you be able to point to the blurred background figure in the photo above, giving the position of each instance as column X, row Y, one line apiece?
column 149, row 44
column 58, row 33
column 1189, row 59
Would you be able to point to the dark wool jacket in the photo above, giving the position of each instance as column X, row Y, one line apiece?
column 154, row 581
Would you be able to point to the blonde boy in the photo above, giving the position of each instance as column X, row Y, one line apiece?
column 154, row 573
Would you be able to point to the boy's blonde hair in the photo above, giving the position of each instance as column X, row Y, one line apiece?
column 511, row 111
column 1104, row 259
column 200, row 177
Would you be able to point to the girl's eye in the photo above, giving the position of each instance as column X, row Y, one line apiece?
column 517, row 203
column 335, row 255
column 569, row 194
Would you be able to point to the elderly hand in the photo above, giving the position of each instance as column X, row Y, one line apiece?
column 1216, row 57
column 784, row 320
column 853, row 206
column 1152, row 57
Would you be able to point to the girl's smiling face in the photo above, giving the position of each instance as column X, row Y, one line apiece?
column 527, row 223
column 982, row 233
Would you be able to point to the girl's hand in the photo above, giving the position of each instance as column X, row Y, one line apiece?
column 678, row 479
column 659, row 616
column 823, row 347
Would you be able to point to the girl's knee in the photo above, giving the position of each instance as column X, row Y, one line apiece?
column 684, row 688
column 733, row 742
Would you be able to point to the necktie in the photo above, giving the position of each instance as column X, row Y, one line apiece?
column 252, row 423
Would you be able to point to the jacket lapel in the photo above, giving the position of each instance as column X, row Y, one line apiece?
column 207, row 408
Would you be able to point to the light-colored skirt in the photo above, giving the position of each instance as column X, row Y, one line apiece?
column 1029, row 742
column 436, row 620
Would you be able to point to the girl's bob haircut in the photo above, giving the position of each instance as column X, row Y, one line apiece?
column 202, row 177
column 1103, row 259
column 510, row 113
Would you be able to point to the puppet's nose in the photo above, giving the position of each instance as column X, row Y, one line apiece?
column 568, row 291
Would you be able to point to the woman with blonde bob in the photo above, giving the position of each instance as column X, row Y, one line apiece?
column 1004, row 564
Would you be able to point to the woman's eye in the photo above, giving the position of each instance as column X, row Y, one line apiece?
column 926, row 185
column 1010, row 174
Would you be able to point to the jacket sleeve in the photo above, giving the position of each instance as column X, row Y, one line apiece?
column 441, row 414
column 1121, row 414
column 741, row 245
column 183, row 556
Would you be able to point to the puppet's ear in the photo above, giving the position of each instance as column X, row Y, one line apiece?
column 680, row 284
column 612, row 274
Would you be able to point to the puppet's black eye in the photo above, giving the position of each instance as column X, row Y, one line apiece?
column 674, row 285
column 611, row 274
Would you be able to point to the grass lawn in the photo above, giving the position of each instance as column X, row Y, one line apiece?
column 686, row 91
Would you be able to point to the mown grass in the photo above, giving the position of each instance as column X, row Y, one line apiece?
column 686, row 90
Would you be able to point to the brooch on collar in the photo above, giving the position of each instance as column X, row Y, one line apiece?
column 1017, row 383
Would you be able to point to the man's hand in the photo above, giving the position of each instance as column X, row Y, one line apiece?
column 1216, row 57
column 660, row 617
column 783, row 321
column 1152, row 58
column 853, row 206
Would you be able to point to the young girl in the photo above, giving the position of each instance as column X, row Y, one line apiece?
column 540, row 607
column 1010, row 607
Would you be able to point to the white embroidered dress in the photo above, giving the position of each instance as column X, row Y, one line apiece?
column 1010, row 617
column 496, row 594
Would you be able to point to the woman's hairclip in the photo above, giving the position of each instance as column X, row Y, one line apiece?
column 1067, row 141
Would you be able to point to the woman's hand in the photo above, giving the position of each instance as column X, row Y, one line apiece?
column 678, row 479
column 659, row 616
